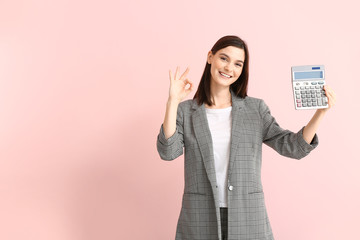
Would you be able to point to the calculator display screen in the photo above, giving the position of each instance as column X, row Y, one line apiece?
column 308, row 75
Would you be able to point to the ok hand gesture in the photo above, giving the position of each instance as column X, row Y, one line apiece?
column 180, row 86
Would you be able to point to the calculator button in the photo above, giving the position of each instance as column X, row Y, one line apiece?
column 296, row 88
column 321, row 83
column 298, row 101
column 308, row 95
column 312, row 91
column 317, row 86
column 302, row 87
column 313, row 83
column 304, row 105
column 318, row 95
column 307, row 87
column 299, row 105
column 314, row 100
column 314, row 104
column 319, row 102
column 302, row 92
column 297, row 96
column 312, row 87
column 297, row 92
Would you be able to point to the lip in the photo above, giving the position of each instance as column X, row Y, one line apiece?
column 226, row 74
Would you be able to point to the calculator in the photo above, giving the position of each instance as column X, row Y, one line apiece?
column 308, row 87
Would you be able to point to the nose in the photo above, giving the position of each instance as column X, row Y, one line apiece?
column 228, row 67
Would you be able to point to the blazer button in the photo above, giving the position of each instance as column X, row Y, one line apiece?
column 231, row 188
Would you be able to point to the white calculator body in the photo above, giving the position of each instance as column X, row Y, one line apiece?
column 308, row 83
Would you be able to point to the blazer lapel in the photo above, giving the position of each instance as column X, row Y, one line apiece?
column 203, row 137
column 237, row 132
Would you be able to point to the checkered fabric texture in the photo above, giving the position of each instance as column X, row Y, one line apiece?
column 252, row 125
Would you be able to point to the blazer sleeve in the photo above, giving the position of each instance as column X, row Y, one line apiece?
column 171, row 148
column 285, row 142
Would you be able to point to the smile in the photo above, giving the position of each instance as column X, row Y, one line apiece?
column 224, row 75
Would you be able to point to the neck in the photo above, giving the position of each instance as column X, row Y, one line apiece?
column 220, row 97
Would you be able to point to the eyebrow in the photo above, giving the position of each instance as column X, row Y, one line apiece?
column 229, row 57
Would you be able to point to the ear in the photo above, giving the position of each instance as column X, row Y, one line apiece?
column 209, row 57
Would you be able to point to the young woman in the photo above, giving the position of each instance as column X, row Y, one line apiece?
column 221, row 132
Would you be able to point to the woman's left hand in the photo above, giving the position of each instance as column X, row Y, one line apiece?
column 331, row 98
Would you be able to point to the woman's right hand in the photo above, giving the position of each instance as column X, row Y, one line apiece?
column 180, row 86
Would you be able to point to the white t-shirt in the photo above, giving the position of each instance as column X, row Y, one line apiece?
column 220, row 127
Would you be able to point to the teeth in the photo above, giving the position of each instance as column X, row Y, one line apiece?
column 225, row 75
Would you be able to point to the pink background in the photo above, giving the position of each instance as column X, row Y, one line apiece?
column 83, row 87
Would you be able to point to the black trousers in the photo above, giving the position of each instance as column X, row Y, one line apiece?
column 224, row 223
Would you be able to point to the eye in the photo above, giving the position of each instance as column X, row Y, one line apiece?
column 239, row 65
column 223, row 58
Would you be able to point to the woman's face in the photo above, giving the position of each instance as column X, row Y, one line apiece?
column 226, row 65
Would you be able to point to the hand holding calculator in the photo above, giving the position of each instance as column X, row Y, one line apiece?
column 308, row 87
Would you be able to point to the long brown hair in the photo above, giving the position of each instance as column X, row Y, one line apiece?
column 239, row 87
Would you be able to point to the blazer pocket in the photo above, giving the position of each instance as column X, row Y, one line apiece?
column 258, row 192
column 256, row 195
column 195, row 193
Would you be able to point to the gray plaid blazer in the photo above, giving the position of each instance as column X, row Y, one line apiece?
column 252, row 125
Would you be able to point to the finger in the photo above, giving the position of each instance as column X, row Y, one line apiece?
column 327, row 90
column 331, row 100
column 185, row 73
column 170, row 76
column 330, row 94
column 177, row 73
column 190, row 88
column 187, row 81
column 191, row 84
